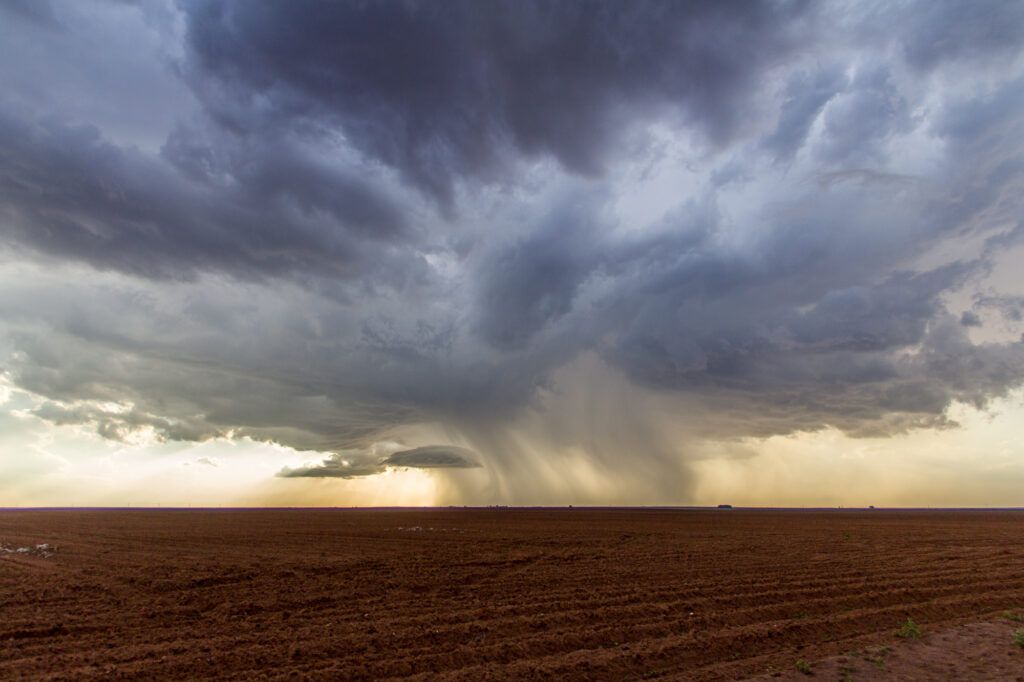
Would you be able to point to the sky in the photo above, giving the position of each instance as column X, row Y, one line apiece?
column 511, row 252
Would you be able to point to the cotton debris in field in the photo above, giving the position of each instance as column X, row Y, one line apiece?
column 43, row 549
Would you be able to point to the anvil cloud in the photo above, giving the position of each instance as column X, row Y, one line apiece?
column 532, row 249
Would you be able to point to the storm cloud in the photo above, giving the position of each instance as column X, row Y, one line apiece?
column 444, row 91
column 355, row 465
column 446, row 235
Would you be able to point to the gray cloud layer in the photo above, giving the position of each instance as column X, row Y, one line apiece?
column 441, row 91
column 358, row 464
column 373, row 215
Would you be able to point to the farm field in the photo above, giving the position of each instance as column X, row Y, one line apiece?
column 491, row 594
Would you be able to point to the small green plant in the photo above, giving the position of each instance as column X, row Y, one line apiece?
column 1011, row 615
column 803, row 666
column 798, row 616
column 1018, row 638
column 878, row 662
column 909, row 630
column 846, row 535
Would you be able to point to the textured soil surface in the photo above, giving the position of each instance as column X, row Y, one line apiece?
column 496, row 594
column 976, row 651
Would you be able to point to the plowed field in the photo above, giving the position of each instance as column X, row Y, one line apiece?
column 486, row 594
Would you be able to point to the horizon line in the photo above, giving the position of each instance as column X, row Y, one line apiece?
column 720, row 508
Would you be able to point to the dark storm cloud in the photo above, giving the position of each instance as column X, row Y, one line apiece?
column 530, row 283
column 360, row 464
column 443, row 91
column 434, row 457
column 940, row 32
column 863, row 117
column 118, row 425
column 285, row 280
column 970, row 319
column 279, row 173
column 36, row 11
column 66, row 191
column 332, row 467
column 840, row 361
column 208, row 392
column 805, row 96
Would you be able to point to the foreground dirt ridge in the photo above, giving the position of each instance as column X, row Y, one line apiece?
column 973, row 651
column 494, row 594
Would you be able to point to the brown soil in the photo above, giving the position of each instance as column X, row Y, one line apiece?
column 976, row 651
column 495, row 594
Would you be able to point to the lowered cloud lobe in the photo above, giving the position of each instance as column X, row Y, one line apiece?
column 355, row 465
